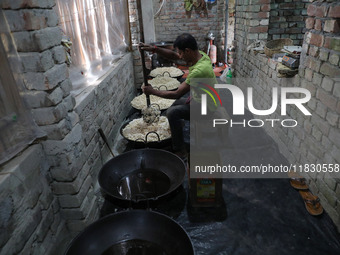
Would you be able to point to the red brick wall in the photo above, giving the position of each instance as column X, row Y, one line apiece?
column 174, row 20
column 287, row 20
column 252, row 21
column 316, row 139
column 324, row 25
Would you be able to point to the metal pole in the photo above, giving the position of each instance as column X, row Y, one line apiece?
column 142, row 39
column 226, row 32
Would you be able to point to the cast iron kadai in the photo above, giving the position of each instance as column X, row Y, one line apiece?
column 142, row 143
column 132, row 232
column 142, row 175
column 159, row 88
column 166, row 88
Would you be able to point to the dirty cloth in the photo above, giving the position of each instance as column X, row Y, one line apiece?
column 257, row 46
column 189, row 4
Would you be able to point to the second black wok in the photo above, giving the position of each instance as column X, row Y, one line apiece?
column 142, row 174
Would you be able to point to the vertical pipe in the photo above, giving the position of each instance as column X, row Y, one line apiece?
column 226, row 32
column 140, row 19
column 129, row 26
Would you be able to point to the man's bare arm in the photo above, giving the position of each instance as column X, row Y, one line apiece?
column 167, row 53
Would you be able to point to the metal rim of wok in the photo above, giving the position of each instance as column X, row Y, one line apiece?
column 168, row 75
column 144, row 143
column 166, row 163
column 164, row 86
column 128, row 225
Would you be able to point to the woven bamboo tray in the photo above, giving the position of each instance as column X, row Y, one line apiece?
column 275, row 46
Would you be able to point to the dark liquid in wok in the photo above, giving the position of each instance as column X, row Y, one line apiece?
column 143, row 184
column 135, row 247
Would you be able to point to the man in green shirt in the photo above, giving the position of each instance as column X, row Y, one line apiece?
column 200, row 73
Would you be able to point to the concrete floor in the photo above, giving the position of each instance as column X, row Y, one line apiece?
column 257, row 216
column 260, row 216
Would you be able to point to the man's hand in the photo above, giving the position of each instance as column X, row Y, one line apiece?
column 167, row 53
column 147, row 90
column 147, row 47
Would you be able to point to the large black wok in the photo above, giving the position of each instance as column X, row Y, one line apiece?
column 141, row 175
column 142, row 143
column 132, row 232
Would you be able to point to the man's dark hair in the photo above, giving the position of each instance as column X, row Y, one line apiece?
column 185, row 41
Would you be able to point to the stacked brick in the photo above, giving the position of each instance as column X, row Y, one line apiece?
column 252, row 19
column 174, row 20
column 55, row 191
column 320, row 73
column 30, row 218
column 33, row 219
column 287, row 20
column 315, row 140
column 82, row 151
column 324, row 26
